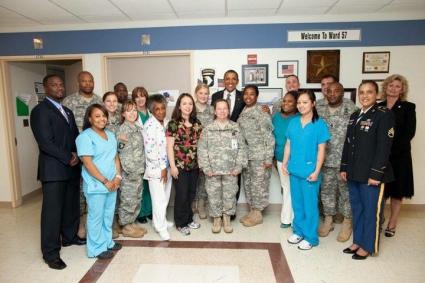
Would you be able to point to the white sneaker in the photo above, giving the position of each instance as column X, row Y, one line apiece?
column 164, row 235
column 194, row 225
column 170, row 224
column 304, row 245
column 294, row 239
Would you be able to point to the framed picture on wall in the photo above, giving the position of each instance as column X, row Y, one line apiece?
column 286, row 68
column 269, row 95
column 255, row 75
column 320, row 63
column 376, row 62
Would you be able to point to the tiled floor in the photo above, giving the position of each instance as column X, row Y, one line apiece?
column 401, row 258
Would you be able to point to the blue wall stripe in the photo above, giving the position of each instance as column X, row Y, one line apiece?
column 383, row 33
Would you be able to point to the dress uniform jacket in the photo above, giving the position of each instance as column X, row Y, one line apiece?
column 367, row 146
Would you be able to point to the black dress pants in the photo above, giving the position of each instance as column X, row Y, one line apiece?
column 60, row 216
column 185, row 186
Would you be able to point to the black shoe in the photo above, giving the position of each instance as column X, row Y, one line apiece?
column 359, row 257
column 149, row 216
column 142, row 220
column 56, row 264
column 232, row 217
column 105, row 255
column 77, row 241
column 349, row 251
column 116, row 247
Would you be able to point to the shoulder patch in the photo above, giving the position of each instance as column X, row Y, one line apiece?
column 121, row 145
column 391, row 132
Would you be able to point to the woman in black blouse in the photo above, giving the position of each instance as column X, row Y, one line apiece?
column 395, row 89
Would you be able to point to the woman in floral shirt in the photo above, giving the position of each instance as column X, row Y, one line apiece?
column 182, row 134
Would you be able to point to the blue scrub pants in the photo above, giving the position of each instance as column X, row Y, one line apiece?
column 366, row 204
column 100, row 215
column 304, row 196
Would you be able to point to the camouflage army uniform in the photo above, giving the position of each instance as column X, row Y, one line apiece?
column 257, row 130
column 79, row 104
column 206, row 117
column 277, row 106
column 221, row 150
column 114, row 122
column 333, row 189
column 132, row 157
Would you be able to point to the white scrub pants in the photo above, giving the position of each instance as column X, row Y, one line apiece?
column 160, row 195
column 287, row 214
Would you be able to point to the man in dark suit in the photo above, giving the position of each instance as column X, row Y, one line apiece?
column 55, row 131
column 231, row 94
column 235, row 99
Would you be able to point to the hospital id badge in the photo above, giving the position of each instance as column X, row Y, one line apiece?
column 234, row 144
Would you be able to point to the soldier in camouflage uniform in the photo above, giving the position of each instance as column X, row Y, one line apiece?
column 132, row 157
column 205, row 114
column 221, row 156
column 257, row 129
column 336, row 112
column 110, row 101
column 78, row 103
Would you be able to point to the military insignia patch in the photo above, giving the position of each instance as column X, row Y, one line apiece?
column 391, row 133
column 121, row 145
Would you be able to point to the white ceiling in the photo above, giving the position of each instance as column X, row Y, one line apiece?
column 38, row 14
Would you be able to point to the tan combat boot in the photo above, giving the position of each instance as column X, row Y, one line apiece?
column 140, row 228
column 116, row 228
column 194, row 208
column 82, row 227
column 201, row 209
column 130, row 231
column 216, row 225
column 255, row 219
column 345, row 232
column 326, row 226
column 246, row 216
column 227, row 226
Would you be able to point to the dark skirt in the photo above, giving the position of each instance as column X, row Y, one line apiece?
column 403, row 186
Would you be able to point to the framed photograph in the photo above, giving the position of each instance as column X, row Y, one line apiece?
column 286, row 68
column 255, row 75
column 376, row 62
column 268, row 96
column 349, row 93
column 320, row 63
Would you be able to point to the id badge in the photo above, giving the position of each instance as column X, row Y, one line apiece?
column 234, row 144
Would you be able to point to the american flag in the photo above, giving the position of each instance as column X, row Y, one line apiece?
column 287, row 69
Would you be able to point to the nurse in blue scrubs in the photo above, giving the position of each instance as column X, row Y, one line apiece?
column 307, row 135
column 97, row 149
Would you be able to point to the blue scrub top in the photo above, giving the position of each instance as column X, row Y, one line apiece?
column 103, row 153
column 280, row 124
column 304, row 145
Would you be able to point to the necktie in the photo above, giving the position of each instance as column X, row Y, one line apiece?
column 360, row 117
column 228, row 100
column 64, row 113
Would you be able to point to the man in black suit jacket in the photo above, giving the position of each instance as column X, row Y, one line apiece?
column 230, row 92
column 55, row 131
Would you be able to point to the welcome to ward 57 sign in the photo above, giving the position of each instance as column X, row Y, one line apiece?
column 324, row 35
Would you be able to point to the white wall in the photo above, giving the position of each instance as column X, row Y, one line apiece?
column 71, row 72
column 406, row 60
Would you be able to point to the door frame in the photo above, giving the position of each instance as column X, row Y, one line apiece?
column 9, row 121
